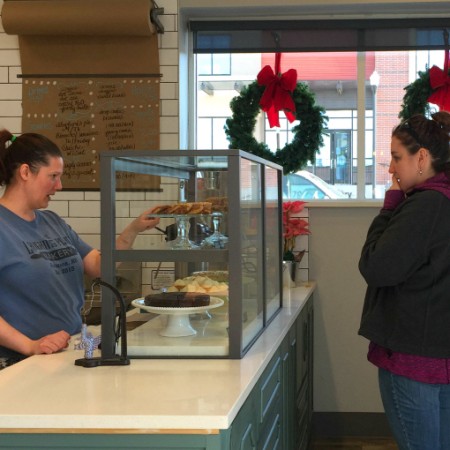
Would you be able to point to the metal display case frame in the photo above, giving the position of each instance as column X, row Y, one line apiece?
column 186, row 166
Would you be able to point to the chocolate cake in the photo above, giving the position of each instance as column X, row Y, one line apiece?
column 177, row 300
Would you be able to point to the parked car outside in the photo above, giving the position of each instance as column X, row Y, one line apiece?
column 307, row 186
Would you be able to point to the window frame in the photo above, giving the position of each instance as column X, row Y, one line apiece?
column 362, row 48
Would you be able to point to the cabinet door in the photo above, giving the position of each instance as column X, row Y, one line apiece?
column 311, row 358
column 244, row 429
column 290, row 429
column 271, row 437
column 304, row 376
column 302, row 361
column 269, row 387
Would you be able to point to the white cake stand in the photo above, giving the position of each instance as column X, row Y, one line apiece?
column 178, row 323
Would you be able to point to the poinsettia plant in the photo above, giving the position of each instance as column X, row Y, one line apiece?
column 293, row 227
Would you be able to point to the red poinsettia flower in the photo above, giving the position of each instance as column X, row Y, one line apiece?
column 292, row 227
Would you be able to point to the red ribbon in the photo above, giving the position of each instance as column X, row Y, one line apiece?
column 278, row 93
column 440, row 83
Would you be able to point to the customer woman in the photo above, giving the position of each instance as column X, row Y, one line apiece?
column 406, row 264
column 42, row 260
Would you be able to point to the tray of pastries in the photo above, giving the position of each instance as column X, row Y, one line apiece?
column 182, row 209
column 199, row 284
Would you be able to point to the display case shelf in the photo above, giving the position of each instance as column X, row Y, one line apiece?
column 168, row 255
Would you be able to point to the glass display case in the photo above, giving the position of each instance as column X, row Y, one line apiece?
column 219, row 250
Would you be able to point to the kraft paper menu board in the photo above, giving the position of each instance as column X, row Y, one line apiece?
column 91, row 78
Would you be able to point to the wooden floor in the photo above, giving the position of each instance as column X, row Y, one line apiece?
column 355, row 444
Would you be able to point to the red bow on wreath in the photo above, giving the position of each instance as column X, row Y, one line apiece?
column 440, row 82
column 278, row 93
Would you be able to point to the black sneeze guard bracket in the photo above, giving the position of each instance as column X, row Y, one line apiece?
column 119, row 360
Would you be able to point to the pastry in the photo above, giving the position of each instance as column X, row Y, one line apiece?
column 184, row 208
column 161, row 209
column 218, row 204
column 179, row 208
column 200, row 208
column 201, row 283
column 216, row 275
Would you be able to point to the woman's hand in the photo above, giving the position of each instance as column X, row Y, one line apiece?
column 395, row 186
column 51, row 343
column 92, row 261
column 13, row 339
column 142, row 223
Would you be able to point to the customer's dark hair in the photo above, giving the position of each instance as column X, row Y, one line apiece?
column 432, row 134
column 29, row 148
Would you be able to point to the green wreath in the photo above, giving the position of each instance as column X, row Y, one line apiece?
column 308, row 133
column 415, row 100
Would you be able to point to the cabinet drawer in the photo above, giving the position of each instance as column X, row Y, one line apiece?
column 244, row 434
column 303, row 347
column 273, row 439
column 270, row 387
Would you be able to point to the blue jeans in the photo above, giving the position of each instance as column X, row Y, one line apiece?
column 418, row 413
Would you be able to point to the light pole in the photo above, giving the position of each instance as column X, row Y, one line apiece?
column 374, row 83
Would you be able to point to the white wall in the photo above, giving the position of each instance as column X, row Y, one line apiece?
column 343, row 379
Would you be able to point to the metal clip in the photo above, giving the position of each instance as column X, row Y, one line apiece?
column 154, row 13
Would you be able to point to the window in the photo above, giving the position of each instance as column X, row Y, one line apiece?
column 210, row 133
column 334, row 60
column 212, row 64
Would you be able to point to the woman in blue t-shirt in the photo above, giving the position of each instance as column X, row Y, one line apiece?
column 42, row 259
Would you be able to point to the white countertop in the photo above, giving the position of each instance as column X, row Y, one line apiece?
column 48, row 393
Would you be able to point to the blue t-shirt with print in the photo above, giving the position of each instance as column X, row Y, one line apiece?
column 41, row 274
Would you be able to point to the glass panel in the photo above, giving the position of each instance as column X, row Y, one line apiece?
column 221, row 64
column 219, row 138
column 159, row 330
column 252, row 251
column 204, row 64
column 154, row 328
column 205, row 136
column 272, row 243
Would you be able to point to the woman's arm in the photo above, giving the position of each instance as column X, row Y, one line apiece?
column 92, row 261
column 144, row 222
column 17, row 341
column 398, row 242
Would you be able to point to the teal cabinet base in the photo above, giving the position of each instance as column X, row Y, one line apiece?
column 114, row 441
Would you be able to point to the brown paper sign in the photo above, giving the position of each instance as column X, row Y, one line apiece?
column 87, row 116
column 90, row 80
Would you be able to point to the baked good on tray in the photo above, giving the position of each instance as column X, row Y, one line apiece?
column 198, row 284
column 218, row 204
column 221, row 276
column 161, row 209
column 184, row 208
column 177, row 300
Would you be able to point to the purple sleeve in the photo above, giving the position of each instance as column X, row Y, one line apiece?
column 392, row 199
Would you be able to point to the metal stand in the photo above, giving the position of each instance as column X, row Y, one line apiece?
column 118, row 360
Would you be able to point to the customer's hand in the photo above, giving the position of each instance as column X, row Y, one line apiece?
column 395, row 186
